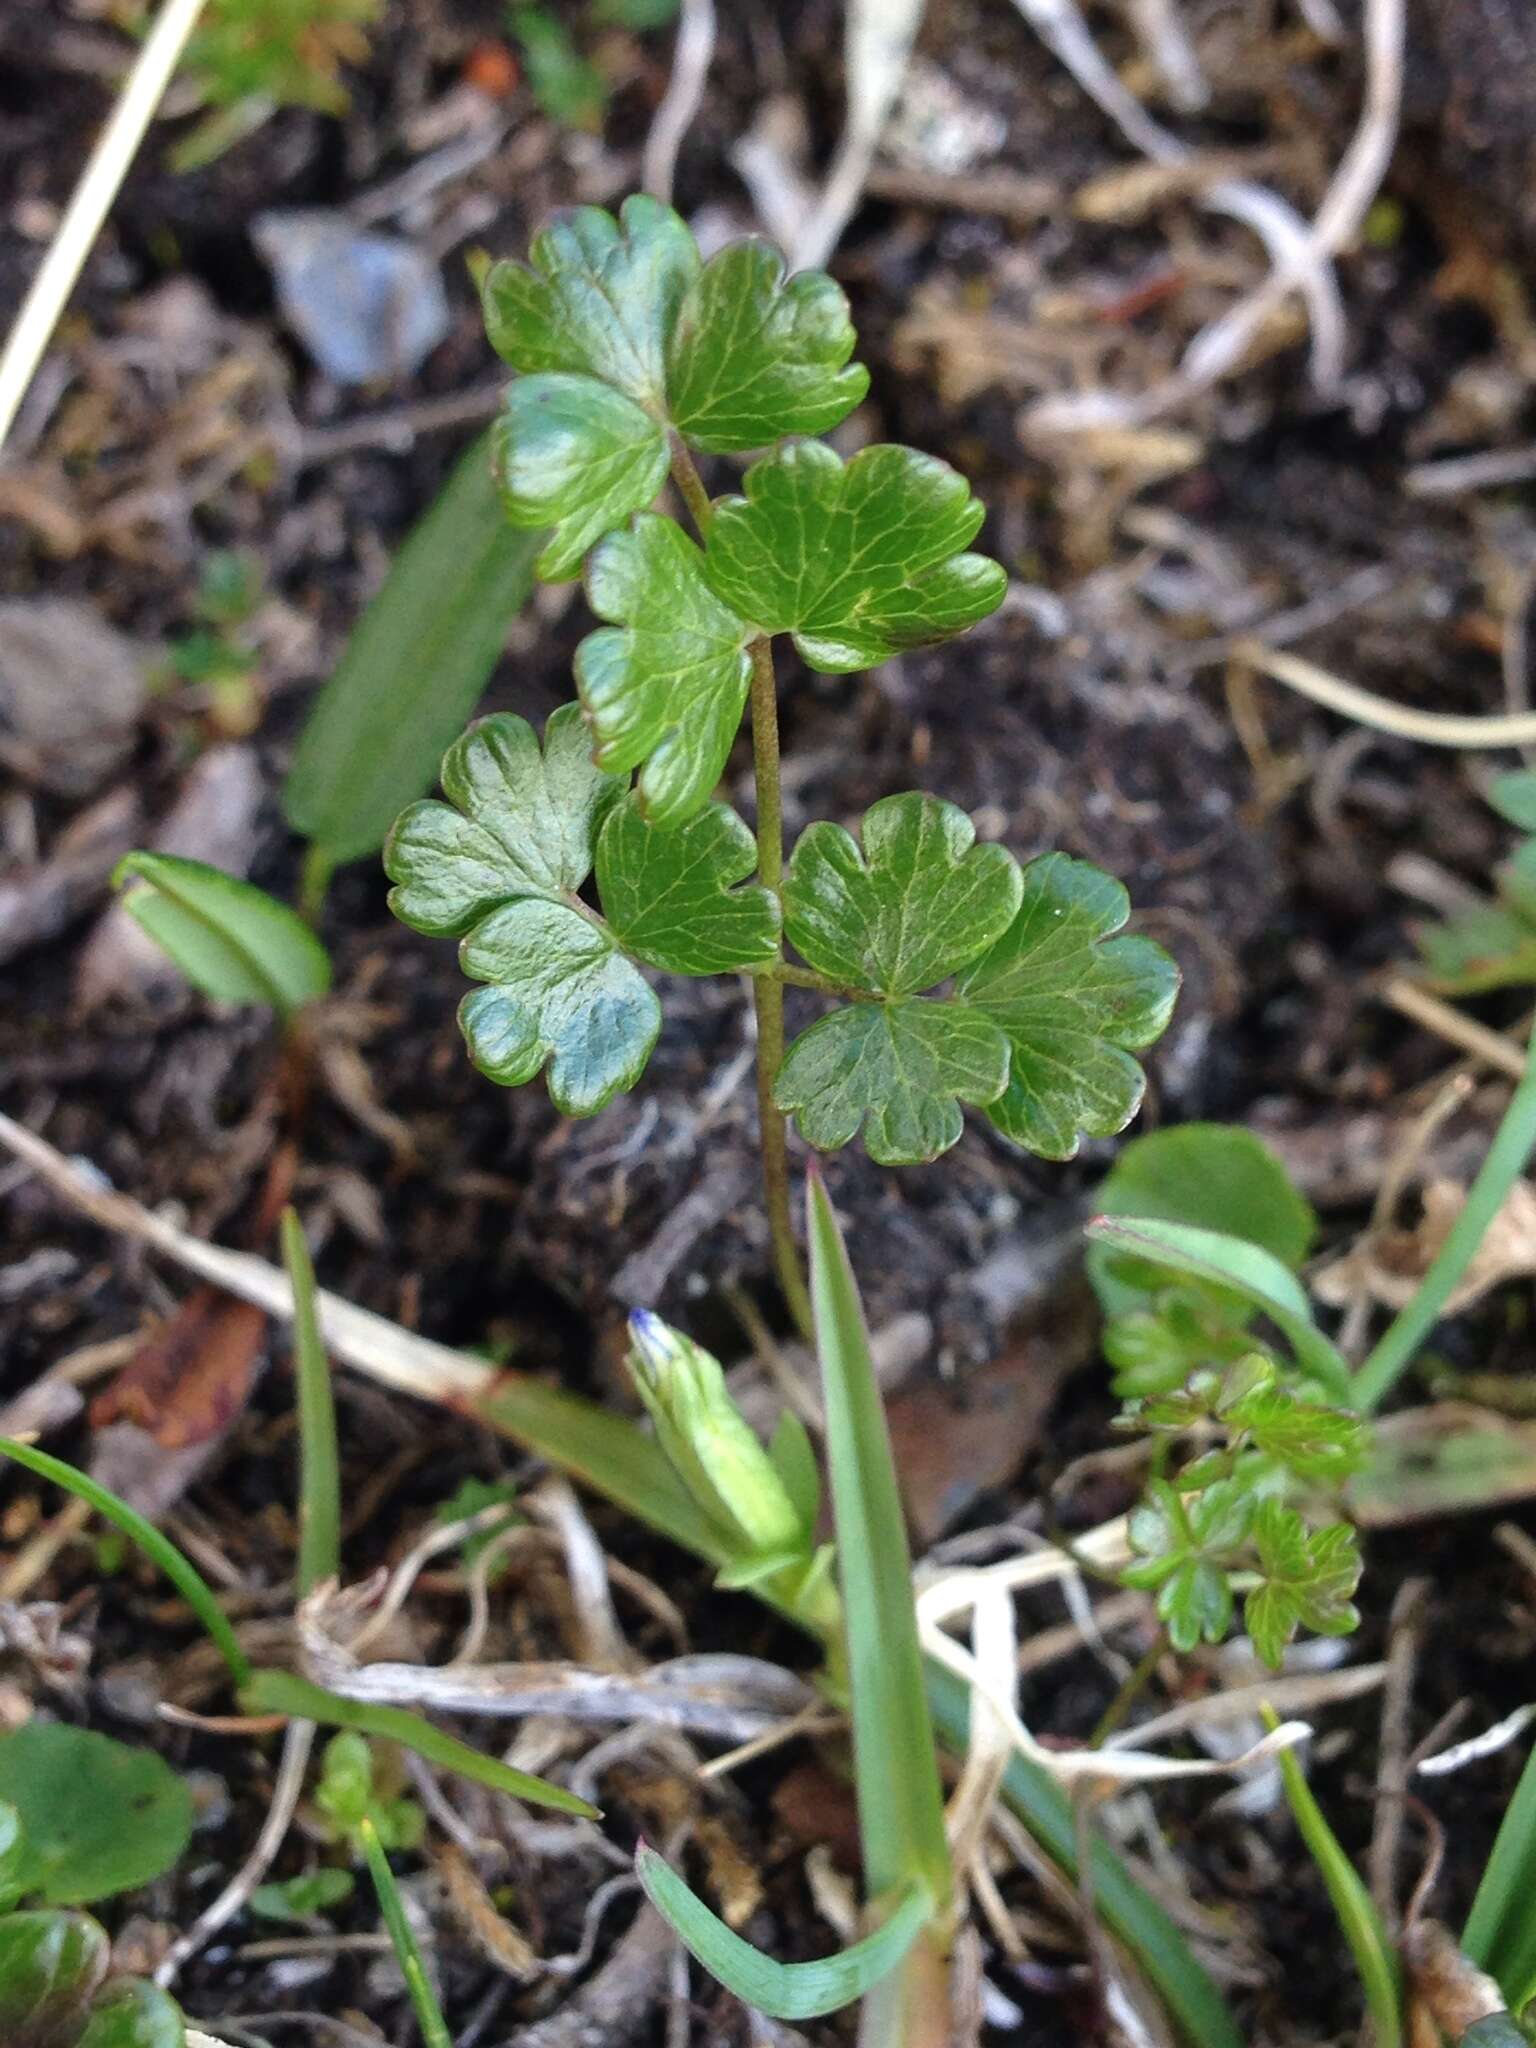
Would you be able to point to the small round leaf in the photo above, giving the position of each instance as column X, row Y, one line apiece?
column 98, row 1817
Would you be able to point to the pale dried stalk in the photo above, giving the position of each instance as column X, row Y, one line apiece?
column 877, row 46
column 1432, row 728
column 692, row 55
column 100, row 182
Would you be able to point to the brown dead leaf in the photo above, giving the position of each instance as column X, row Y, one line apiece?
column 814, row 1806
column 478, row 1914
column 956, row 1439
column 735, row 1882
column 1387, row 1265
column 193, row 1377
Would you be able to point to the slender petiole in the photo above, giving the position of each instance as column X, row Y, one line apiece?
column 434, row 2028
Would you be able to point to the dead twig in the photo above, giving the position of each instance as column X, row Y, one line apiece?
column 692, row 54
column 1407, row 1629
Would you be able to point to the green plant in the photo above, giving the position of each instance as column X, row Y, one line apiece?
column 1492, row 944
column 81, row 1818
column 232, row 940
column 250, row 57
column 217, row 654
column 569, row 866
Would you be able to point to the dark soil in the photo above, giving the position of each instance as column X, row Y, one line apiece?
column 1091, row 714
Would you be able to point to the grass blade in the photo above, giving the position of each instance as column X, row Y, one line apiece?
column 434, row 2028
column 281, row 1692
column 901, row 1805
column 1357, row 1917
column 413, row 670
column 1500, row 1935
column 319, row 1471
column 785, row 1991
column 180, row 1570
column 1503, row 1166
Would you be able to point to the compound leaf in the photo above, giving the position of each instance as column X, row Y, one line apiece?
column 901, row 1069
column 1184, row 1548
column 665, row 683
column 599, row 297
column 668, row 896
column 1073, row 1002
column 578, row 456
column 754, row 356
column 97, row 1816
column 231, row 940
column 920, row 901
column 857, row 561
column 519, row 822
column 562, row 996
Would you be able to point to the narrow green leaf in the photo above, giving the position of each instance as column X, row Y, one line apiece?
column 564, row 997
column 1358, row 1921
column 784, row 1991
column 50, row 1967
column 98, row 1817
column 664, row 684
column 520, row 820
column 280, row 1692
column 414, row 667
column 901, row 1807
column 134, row 2013
column 319, row 1468
column 755, row 355
column 1505, row 1162
column 231, row 940
column 898, row 1070
column 1500, row 1934
column 13, row 1856
column 180, row 1570
column 1074, row 1002
column 1244, row 1269
column 623, row 1464
column 857, row 562
column 1218, row 1176
column 574, row 455
column 429, row 2016
column 669, row 896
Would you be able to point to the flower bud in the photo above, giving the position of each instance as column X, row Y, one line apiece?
column 710, row 1445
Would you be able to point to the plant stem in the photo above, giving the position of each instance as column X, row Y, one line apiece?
column 768, row 993
column 686, row 476
column 792, row 976
column 1506, row 1161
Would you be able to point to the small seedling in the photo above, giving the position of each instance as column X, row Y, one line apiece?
column 232, row 940
column 81, row 1819
column 217, row 655
column 1492, row 944
column 297, row 1901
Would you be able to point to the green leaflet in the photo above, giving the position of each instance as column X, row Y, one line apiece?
column 1217, row 1176
column 754, row 356
column 900, row 1069
column 231, row 940
column 97, row 1817
column 917, row 902
column 572, row 454
column 564, row 997
column 50, row 1967
column 668, row 895
column 785, row 1991
column 599, row 297
column 519, row 821
column 413, row 667
column 856, row 561
column 502, row 861
column 1308, row 1580
column 1184, row 1549
column 666, row 682
column 1074, row 1002
column 731, row 353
